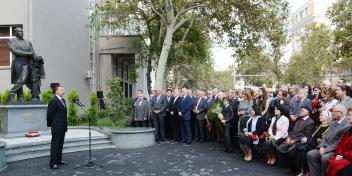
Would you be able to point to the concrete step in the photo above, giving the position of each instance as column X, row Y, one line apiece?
column 76, row 140
column 46, row 146
column 36, row 154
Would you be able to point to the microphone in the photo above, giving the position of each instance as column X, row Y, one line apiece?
column 78, row 102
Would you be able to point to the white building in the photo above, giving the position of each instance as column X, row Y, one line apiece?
column 312, row 11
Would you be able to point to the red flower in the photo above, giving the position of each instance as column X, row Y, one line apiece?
column 254, row 137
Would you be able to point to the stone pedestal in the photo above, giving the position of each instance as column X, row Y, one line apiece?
column 133, row 137
column 16, row 120
column 2, row 156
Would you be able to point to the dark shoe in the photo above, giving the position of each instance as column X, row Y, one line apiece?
column 188, row 143
column 54, row 166
column 226, row 150
column 196, row 140
column 183, row 141
column 62, row 163
column 201, row 140
column 230, row 151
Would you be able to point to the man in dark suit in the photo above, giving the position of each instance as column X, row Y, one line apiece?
column 57, row 120
column 200, row 110
column 318, row 159
column 168, row 120
column 302, row 101
column 176, row 120
column 231, row 122
column 184, row 110
column 303, row 127
column 158, row 107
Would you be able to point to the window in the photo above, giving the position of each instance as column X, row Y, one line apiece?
column 6, row 32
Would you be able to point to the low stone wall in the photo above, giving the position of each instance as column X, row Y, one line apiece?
column 133, row 137
column 16, row 120
column 2, row 156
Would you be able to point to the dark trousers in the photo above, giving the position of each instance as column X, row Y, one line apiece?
column 199, row 126
column 159, row 125
column 22, row 73
column 176, row 122
column 186, row 131
column 229, row 133
column 143, row 123
column 57, row 143
column 345, row 171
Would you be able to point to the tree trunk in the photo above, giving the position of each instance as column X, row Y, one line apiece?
column 159, row 79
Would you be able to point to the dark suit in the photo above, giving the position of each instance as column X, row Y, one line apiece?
column 176, row 120
column 57, row 120
column 185, row 108
column 318, row 163
column 295, row 108
column 228, row 114
column 159, row 119
column 199, row 125
column 168, row 120
column 302, row 128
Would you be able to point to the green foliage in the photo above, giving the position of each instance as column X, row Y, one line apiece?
column 5, row 96
column 27, row 95
column 247, row 24
column 93, row 108
column 314, row 60
column 47, row 96
column 116, row 104
column 256, row 62
column 72, row 114
column 0, row 98
column 341, row 14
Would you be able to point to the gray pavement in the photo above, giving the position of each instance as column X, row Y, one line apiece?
column 161, row 159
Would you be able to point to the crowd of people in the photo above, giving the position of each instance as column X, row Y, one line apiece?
column 305, row 130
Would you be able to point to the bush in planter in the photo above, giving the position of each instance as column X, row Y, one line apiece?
column 27, row 95
column 116, row 105
column 93, row 111
column 47, row 96
column 5, row 96
column 72, row 111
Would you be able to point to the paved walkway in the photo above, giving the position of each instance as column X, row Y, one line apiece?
column 161, row 159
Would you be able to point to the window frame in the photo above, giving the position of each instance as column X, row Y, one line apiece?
column 11, row 36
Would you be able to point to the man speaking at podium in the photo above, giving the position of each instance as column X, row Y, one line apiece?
column 57, row 120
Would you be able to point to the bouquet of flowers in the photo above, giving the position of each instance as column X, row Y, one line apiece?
column 255, row 139
column 213, row 114
column 266, row 136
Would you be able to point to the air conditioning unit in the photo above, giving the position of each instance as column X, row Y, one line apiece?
column 88, row 74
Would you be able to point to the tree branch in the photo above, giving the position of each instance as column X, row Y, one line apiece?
column 151, row 3
column 187, row 31
column 183, row 11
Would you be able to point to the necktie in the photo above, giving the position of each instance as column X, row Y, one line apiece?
column 198, row 103
column 301, row 122
column 275, row 126
column 63, row 102
column 140, row 103
column 175, row 99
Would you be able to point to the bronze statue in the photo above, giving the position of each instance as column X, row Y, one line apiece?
column 26, row 69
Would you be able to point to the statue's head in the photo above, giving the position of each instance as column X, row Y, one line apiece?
column 19, row 32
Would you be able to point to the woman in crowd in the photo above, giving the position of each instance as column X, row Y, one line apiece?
column 278, row 131
column 244, row 109
column 228, row 115
column 330, row 103
column 261, row 101
column 268, row 112
column 310, row 142
column 316, row 104
column 308, row 89
column 341, row 163
column 255, row 126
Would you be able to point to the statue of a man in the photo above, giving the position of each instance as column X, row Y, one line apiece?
column 23, row 63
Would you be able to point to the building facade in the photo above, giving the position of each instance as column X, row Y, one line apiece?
column 59, row 33
column 313, row 11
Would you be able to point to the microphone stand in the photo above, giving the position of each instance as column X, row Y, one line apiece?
column 90, row 163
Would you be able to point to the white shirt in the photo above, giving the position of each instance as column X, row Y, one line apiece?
column 60, row 98
column 305, row 118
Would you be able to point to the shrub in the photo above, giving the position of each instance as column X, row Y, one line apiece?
column 27, row 95
column 5, row 96
column 47, row 96
column 116, row 105
column 93, row 108
column 72, row 114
